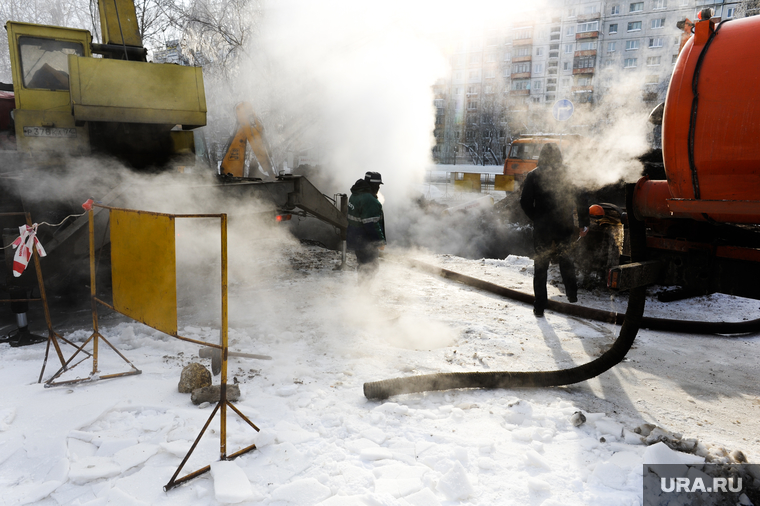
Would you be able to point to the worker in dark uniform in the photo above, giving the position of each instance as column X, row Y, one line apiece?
column 366, row 223
column 549, row 199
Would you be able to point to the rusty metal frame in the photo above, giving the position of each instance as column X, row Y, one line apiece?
column 53, row 336
column 223, row 403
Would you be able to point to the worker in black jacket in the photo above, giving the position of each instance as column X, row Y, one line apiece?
column 549, row 199
column 366, row 222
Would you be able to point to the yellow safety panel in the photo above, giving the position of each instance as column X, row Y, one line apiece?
column 470, row 182
column 504, row 183
column 144, row 268
column 136, row 92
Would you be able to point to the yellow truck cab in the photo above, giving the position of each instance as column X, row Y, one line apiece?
column 522, row 153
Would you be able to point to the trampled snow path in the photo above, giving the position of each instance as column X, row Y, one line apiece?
column 119, row 441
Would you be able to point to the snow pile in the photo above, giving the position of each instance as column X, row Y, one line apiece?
column 321, row 442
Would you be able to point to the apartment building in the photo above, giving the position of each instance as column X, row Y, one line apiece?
column 572, row 49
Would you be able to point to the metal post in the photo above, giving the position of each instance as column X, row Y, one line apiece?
column 344, row 232
column 223, row 396
column 96, row 330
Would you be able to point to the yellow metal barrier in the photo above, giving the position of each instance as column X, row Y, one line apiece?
column 144, row 287
column 467, row 182
column 504, row 183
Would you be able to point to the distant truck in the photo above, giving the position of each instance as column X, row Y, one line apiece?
column 522, row 153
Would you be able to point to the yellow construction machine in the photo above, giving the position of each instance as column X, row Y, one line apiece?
column 79, row 112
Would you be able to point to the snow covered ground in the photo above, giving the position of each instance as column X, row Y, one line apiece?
column 118, row 442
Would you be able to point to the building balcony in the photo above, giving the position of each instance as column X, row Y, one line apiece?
column 588, row 88
column 586, row 35
column 590, row 52
column 587, row 70
column 519, row 92
column 582, row 18
column 522, row 42
column 521, row 75
column 517, row 59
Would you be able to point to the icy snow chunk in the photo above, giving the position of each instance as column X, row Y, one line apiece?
column 93, row 468
column 344, row 500
column 610, row 475
column 626, row 460
column 455, row 484
column 376, row 435
column 177, row 448
column 608, row 427
column 659, row 453
column 632, row 438
column 287, row 390
column 536, row 485
column 81, row 435
column 7, row 415
column 424, row 497
column 357, row 445
column 375, row 454
column 134, row 455
column 264, row 437
column 81, row 448
column 392, row 408
column 397, row 487
column 397, row 471
column 486, row 463
column 117, row 497
column 532, row 458
column 292, row 433
column 302, row 492
column 108, row 447
column 231, row 485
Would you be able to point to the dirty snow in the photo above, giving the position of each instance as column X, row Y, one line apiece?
column 119, row 441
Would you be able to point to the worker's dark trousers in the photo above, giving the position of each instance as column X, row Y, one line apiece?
column 540, row 271
column 368, row 258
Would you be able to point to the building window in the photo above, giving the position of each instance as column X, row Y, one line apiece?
column 570, row 31
column 571, row 12
column 730, row 12
column 653, row 79
column 538, row 68
column 489, row 89
column 566, row 65
column 520, row 68
column 520, row 85
column 583, row 81
column 491, row 57
column 636, row 7
column 613, row 27
column 584, row 63
column 507, row 72
column 653, row 61
column 658, row 23
column 472, row 90
column 507, row 56
column 632, row 45
column 634, row 25
column 474, row 58
column 630, row 62
column 675, row 59
column 659, row 4
column 523, row 34
column 537, row 85
column 611, row 47
column 593, row 26
column 472, row 105
column 523, row 51
column 458, row 76
column 566, row 82
column 490, row 73
column 539, row 51
column 585, row 46
column 655, row 41
column 615, row 10
column 474, row 76
column 569, row 48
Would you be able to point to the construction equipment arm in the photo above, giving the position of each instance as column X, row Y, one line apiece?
column 249, row 131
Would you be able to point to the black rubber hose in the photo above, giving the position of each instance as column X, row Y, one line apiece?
column 612, row 357
column 588, row 313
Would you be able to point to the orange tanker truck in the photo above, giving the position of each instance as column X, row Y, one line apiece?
column 703, row 222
